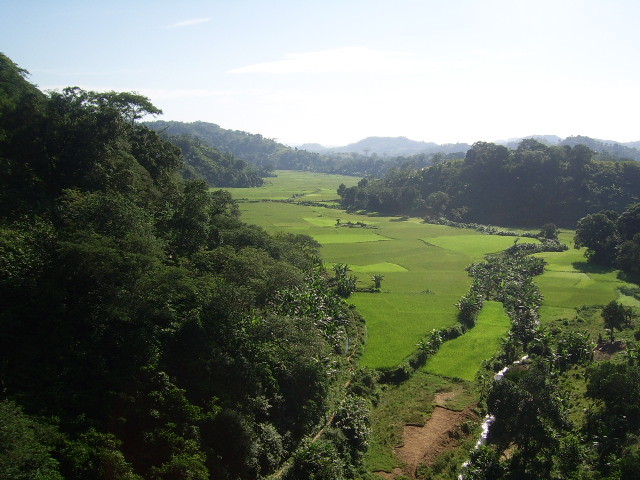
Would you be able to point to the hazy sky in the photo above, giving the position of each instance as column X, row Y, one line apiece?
column 336, row 71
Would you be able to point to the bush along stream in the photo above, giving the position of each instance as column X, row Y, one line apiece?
column 507, row 277
column 532, row 428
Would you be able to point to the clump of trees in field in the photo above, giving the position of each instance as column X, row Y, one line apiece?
column 612, row 239
column 147, row 332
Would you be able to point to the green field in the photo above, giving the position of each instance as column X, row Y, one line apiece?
column 461, row 357
column 423, row 265
column 569, row 282
column 317, row 187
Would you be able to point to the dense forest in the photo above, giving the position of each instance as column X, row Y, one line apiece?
column 529, row 186
column 218, row 169
column 147, row 332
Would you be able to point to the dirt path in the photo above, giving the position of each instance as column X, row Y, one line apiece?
column 422, row 444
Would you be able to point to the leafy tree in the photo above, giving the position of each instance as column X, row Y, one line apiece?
column 528, row 414
column 318, row 461
column 598, row 233
column 618, row 386
column 628, row 258
column 629, row 222
column 26, row 446
column 139, row 310
column 549, row 231
column 438, row 202
column 468, row 308
column 616, row 316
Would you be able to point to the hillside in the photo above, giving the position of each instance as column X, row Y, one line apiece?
column 402, row 146
column 607, row 150
column 147, row 332
column 268, row 155
column 216, row 168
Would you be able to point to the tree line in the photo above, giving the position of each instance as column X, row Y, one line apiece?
column 529, row 186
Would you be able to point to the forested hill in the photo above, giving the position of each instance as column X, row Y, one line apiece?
column 218, row 169
column 605, row 150
column 250, row 147
column 402, row 146
column 530, row 186
column 146, row 331
column 268, row 155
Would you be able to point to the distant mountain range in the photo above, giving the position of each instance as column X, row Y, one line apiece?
column 389, row 146
column 268, row 153
column 395, row 146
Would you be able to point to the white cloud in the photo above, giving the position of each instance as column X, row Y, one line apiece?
column 83, row 72
column 162, row 93
column 189, row 23
column 342, row 60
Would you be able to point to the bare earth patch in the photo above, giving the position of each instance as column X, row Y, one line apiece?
column 422, row 444
column 606, row 350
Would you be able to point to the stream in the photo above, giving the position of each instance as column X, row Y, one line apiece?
column 489, row 419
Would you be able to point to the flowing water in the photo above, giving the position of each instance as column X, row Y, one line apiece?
column 489, row 419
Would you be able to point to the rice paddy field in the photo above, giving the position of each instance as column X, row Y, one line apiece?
column 317, row 187
column 462, row 356
column 569, row 282
column 423, row 265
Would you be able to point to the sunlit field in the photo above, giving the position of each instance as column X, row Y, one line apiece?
column 423, row 265
column 462, row 356
column 317, row 187
column 569, row 282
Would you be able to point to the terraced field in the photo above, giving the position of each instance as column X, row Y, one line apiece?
column 424, row 276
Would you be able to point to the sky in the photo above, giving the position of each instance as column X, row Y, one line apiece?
column 336, row 71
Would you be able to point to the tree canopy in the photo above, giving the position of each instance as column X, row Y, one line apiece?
column 143, row 329
column 530, row 186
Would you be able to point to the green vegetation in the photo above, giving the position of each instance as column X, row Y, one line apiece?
column 423, row 264
column 612, row 239
column 410, row 402
column 268, row 154
column 569, row 282
column 462, row 356
column 476, row 246
column 289, row 184
column 530, row 186
column 147, row 332
column 216, row 168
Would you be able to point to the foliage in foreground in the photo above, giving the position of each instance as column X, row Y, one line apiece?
column 143, row 334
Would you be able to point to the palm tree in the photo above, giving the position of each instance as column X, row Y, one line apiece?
column 341, row 269
column 377, row 281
